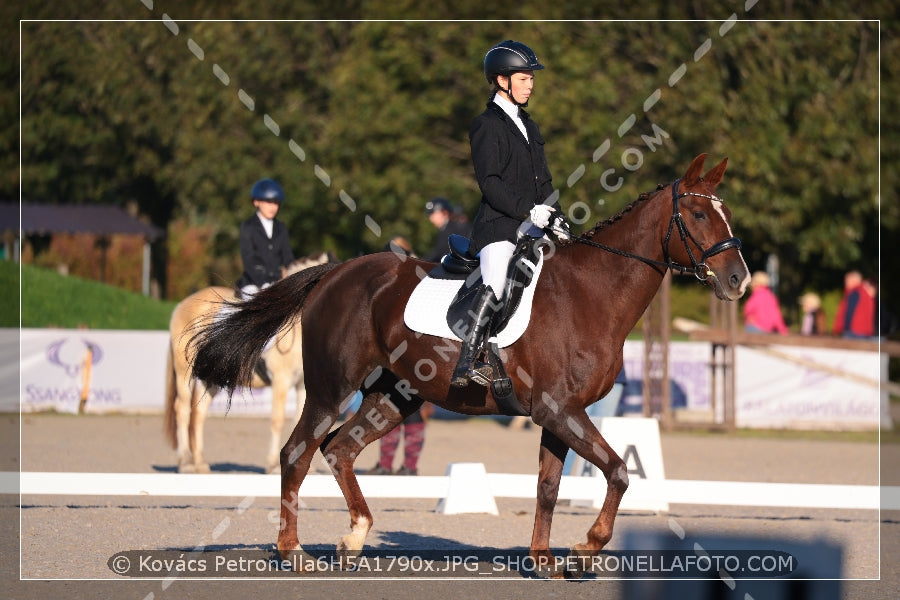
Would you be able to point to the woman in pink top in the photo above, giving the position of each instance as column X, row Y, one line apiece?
column 761, row 312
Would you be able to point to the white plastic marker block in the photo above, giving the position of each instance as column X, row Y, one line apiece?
column 468, row 491
column 636, row 441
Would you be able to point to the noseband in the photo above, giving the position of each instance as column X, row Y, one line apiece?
column 698, row 269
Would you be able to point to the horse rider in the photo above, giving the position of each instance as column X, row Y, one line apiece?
column 517, row 190
column 265, row 243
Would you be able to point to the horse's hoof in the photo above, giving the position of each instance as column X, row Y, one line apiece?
column 350, row 546
column 545, row 566
column 273, row 469
column 286, row 547
column 347, row 559
column 351, row 543
column 187, row 468
column 202, row 469
column 575, row 562
column 294, row 556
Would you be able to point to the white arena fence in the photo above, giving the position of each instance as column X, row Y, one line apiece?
column 466, row 488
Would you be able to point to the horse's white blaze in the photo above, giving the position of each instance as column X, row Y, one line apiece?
column 717, row 205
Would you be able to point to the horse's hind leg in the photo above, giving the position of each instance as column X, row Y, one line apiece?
column 376, row 416
column 296, row 456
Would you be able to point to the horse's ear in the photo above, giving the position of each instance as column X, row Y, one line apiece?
column 714, row 175
column 693, row 173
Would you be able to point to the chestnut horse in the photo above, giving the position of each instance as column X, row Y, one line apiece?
column 590, row 295
column 187, row 400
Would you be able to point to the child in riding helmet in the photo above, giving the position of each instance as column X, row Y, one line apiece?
column 517, row 190
column 265, row 244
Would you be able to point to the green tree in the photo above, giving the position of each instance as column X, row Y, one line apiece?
column 363, row 120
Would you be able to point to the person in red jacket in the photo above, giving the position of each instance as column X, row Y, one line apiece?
column 855, row 316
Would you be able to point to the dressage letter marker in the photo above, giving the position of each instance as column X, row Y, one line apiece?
column 636, row 441
column 468, row 491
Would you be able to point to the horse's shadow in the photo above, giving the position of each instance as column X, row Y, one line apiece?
column 398, row 554
column 222, row 467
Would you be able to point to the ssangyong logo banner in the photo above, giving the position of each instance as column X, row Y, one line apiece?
column 107, row 371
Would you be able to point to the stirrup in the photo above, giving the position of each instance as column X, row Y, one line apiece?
column 481, row 374
column 461, row 377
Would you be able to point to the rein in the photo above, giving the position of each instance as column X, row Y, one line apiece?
column 698, row 269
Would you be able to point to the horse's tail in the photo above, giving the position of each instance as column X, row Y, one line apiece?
column 226, row 349
column 169, row 420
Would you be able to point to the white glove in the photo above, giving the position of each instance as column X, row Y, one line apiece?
column 561, row 228
column 540, row 215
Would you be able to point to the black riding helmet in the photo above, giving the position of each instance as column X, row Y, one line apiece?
column 508, row 57
column 267, row 189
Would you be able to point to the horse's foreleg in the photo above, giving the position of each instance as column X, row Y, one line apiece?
column 552, row 453
column 185, row 463
column 578, row 432
column 375, row 417
column 199, row 410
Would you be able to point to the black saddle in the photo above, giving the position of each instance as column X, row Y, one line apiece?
column 458, row 261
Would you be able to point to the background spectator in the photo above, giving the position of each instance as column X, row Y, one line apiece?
column 439, row 213
column 855, row 316
column 813, row 320
column 761, row 312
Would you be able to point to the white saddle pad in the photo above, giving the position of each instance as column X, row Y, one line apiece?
column 426, row 311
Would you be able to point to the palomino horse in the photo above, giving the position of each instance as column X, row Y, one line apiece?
column 187, row 400
column 590, row 295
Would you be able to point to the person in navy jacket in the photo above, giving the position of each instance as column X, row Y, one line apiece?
column 265, row 244
column 517, row 191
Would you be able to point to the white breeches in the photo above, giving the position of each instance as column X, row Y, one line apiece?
column 495, row 259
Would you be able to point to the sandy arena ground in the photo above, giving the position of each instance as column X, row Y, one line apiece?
column 66, row 541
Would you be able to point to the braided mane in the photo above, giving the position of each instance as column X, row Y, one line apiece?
column 603, row 224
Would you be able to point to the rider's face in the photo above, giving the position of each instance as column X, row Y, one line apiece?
column 266, row 208
column 522, row 82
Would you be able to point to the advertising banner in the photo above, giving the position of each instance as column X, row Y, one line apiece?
column 109, row 371
column 125, row 371
column 799, row 387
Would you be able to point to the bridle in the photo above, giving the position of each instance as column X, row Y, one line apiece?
column 698, row 269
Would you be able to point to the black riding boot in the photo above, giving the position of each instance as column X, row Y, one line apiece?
column 480, row 317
